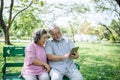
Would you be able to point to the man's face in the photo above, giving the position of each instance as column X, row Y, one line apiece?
column 56, row 34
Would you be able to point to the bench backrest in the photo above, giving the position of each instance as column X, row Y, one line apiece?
column 13, row 57
column 12, row 51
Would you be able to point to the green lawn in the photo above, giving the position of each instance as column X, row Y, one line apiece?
column 97, row 61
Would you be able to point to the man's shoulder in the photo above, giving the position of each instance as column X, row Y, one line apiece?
column 66, row 39
column 49, row 40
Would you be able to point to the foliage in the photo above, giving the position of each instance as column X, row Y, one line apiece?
column 25, row 24
column 115, row 26
column 112, row 31
column 13, row 10
column 118, row 2
column 6, row 26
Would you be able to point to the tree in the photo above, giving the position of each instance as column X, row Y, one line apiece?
column 25, row 23
column 118, row 2
column 6, row 25
column 109, row 30
column 113, row 9
column 115, row 25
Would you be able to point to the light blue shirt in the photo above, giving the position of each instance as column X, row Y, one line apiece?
column 60, row 47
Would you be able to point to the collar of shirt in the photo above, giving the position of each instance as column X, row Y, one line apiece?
column 62, row 38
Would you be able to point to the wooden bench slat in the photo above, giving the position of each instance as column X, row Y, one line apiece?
column 14, row 64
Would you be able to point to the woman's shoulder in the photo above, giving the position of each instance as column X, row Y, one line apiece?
column 30, row 45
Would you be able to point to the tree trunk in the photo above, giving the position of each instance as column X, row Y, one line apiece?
column 73, row 34
column 10, row 20
column 118, row 2
column 6, row 36
column 110, row 32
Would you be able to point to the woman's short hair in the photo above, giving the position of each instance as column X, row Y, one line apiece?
column 38, row 33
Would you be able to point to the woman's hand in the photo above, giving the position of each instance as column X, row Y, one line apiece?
column 40, row 63
column 47, row 67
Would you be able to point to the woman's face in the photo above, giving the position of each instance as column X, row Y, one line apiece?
column 42, row 39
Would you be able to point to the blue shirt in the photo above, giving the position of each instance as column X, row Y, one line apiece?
column 60, row 47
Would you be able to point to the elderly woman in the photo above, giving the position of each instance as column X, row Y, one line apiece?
column 35, row 62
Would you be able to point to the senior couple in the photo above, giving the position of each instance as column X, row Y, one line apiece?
column 51, row 59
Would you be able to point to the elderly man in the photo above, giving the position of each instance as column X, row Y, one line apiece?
column 58, row 52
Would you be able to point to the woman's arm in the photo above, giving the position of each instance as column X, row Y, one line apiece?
column 40, row 63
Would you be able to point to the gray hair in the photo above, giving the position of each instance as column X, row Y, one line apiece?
column 52, row 28
column 37, row 34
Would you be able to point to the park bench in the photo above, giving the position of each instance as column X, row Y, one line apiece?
column 13, row 58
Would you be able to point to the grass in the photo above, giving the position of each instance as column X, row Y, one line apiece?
column 98, row 61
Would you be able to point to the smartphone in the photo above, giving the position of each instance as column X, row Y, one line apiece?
column 75, row 49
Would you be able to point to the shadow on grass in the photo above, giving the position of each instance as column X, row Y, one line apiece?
column 113, row 45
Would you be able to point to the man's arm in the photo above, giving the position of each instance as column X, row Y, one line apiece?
column 53, row 57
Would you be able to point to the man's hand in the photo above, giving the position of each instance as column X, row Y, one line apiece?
column 74, row 56
column 67, row 55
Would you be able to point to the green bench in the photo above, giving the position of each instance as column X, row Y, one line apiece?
column 13, row 58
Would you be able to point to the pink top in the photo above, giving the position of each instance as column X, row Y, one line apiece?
column 32, row 52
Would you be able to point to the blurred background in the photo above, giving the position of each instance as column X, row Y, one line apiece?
column 93, row 25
